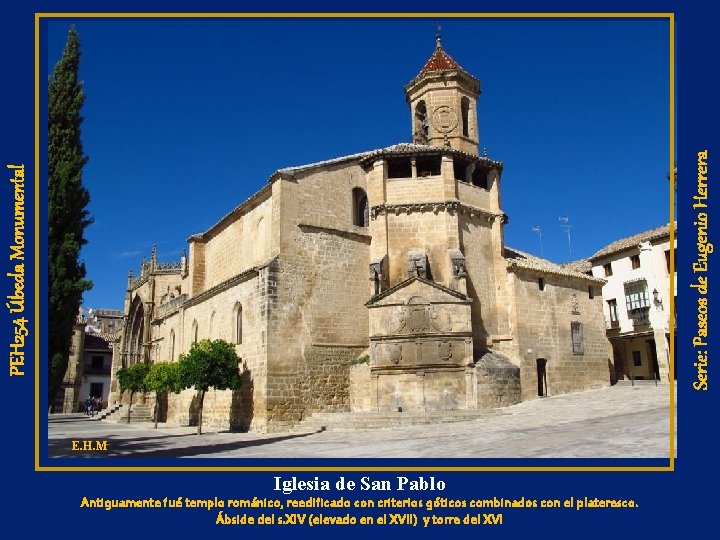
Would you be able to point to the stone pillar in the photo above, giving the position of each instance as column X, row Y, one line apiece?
column 74, row 372
column 470, row 388
column 493, row 180
column 447, row 172
column 378, row 276
column 374, row 401
column 114, row 395
column 378, row 218
column 146, row 331
column 459, row 272
column 662, row 351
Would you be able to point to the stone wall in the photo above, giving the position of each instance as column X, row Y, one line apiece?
column 475, row 196
column 319, row 322
column 544, row 332
column 498, row 381
column 214, row 311
column 447, row 92
column 403, row 190
column 482, row 254
column 237, row 243
column 362, row 386
column 223, row 409
column 215, row 317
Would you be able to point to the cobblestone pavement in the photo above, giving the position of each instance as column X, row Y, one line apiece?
column 620, row 421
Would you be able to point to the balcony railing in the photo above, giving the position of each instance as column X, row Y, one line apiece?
column 612, row 325
column 640, row 316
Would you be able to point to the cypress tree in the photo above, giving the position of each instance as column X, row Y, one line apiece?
column 67, row 210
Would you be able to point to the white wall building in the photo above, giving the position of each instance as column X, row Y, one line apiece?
column 637, row 303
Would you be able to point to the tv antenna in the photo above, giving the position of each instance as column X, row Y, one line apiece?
column 566, row 227
column 538, row 230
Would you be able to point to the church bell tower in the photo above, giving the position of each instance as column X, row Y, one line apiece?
column 443, row 104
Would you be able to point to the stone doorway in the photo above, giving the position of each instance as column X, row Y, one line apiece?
column 541, row 377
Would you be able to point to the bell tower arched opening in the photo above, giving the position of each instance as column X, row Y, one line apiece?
column 421, row 124
column 441, row 100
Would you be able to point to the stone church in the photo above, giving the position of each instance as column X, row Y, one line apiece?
column 396, row 294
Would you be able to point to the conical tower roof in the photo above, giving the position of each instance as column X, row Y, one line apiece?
column 440, row 60
column 439, row 63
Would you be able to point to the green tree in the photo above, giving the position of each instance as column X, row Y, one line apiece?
column 132, row 378
column 67, row 210
column 162, row 379
column 209, row 364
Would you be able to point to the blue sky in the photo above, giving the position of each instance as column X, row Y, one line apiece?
column 185, row 119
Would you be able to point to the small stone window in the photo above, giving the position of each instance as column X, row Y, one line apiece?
column 428, row 165
column 591, row 292
column 399, row 168
column 480, row 178
column 607, row 268
column 635, row 261
column 541, row 284
column 612, row 310
column 460, row 171
column 421, row 128
column 465, row 110
column 194, row 332
column 361, row 210
column 238, row 324
column 637, row 358
column 576, row 334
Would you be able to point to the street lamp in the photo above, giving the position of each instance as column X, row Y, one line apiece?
column 656, row 298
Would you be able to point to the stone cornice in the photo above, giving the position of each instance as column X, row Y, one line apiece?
column 410, row 150
column 225, row 285
column 392, row 290
column 167, row 309
column 422, row 336
column 451, row 207
column 344, row 233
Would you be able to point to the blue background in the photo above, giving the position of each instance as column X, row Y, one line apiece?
column 49, row 501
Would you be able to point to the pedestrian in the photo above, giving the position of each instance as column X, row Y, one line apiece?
column 88, row 406
column 97, row 405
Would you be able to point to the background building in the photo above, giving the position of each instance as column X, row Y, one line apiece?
column 637, row 302
column 91, row 353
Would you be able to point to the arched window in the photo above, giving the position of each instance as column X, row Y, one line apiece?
column 465, row 110
column 238, row 323
column 420, row 130
column 361, row 210
column 194, row 332
column 137, row 331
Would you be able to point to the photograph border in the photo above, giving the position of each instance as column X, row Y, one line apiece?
column 40, row 16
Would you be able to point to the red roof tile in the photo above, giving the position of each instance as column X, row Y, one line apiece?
column 440, row 61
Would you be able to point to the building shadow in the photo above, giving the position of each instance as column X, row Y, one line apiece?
column 158, row 447
column 194, row 410
column 242, row 408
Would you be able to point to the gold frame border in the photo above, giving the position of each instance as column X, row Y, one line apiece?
column 339, row 15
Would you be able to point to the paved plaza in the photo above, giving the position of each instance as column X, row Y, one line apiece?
column 620, row 421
